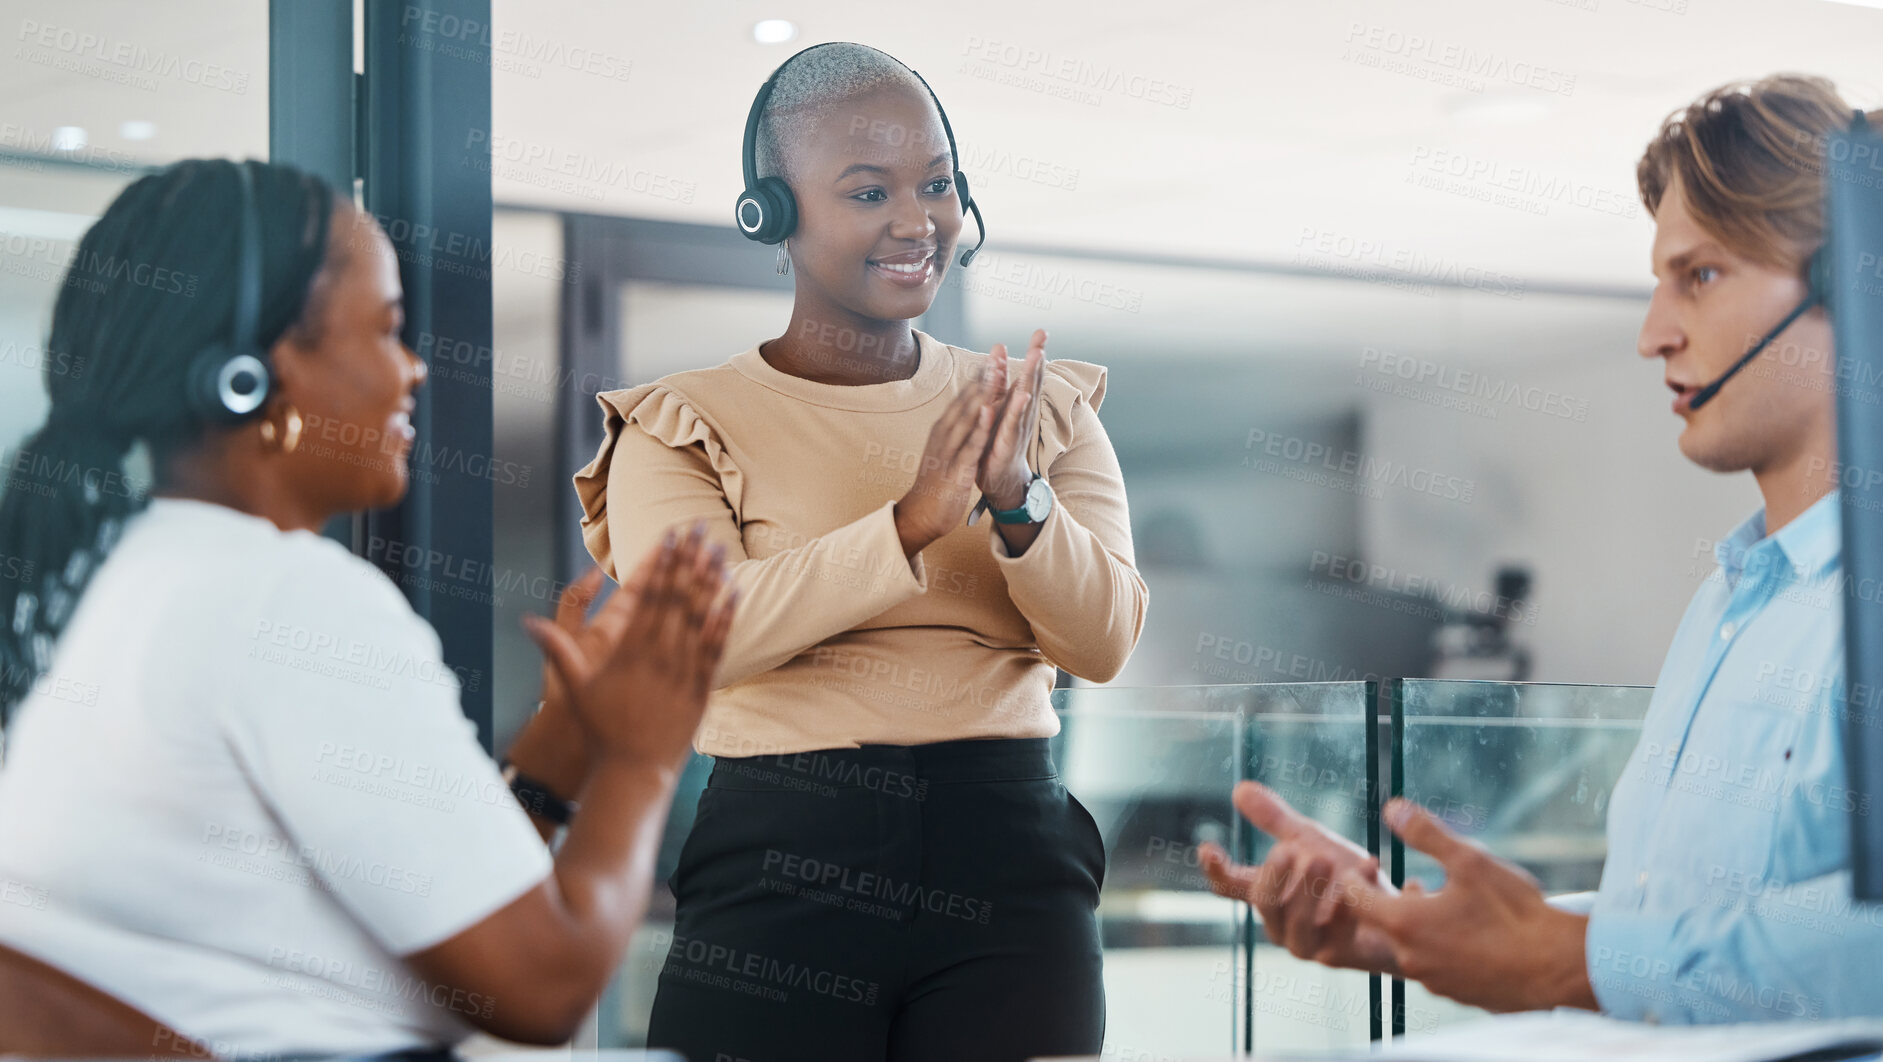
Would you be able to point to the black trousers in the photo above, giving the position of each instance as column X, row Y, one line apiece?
column 913, row 903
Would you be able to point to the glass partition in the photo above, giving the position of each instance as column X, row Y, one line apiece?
column 1524, row 769
column 1316, row 745
column 1155, row 767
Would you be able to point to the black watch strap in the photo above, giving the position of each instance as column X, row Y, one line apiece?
column 536, row 797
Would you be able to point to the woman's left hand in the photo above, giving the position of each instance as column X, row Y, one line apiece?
column 553, row 746
column 1004, row 474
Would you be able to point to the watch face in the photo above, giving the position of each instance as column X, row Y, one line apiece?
column 1039, row 500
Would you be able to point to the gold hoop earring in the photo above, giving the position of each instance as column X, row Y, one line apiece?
column 289, row 433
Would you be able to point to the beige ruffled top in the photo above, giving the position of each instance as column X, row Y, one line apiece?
column 840, row 640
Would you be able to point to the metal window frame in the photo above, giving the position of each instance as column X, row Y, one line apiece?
column 406, row 129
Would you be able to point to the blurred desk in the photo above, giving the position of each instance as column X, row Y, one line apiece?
column 1577, row 1036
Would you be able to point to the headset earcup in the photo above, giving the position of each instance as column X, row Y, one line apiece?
column 778, row 211
column 202, row 390
column 781, row 210
column 749, row 211
column 962, row 192
column 204, row 384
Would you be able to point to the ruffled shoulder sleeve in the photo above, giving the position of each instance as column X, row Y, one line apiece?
column 1067, row 385
column 666, row 416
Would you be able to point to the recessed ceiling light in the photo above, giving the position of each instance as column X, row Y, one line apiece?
column 774, row 31
column 137, row 130
column 68, row 138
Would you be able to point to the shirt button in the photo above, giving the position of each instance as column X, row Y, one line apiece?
column 1727, row 629
column 1641, row 880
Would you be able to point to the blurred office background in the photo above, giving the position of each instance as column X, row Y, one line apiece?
column 1367, row 277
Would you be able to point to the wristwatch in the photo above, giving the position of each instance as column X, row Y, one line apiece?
column 1033, row 509
column 536, row 797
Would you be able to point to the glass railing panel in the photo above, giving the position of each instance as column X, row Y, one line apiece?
column 1525, row 769
column 1155, row 767
column 1315, row 745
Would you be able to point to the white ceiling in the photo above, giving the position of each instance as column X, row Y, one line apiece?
column 1294, row 125
column 1291, row 127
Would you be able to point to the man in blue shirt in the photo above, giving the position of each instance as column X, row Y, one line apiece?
column 1726, row 895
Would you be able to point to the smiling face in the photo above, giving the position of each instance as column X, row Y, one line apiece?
column 877, row 211
column 1710, row 306
column 351, row 376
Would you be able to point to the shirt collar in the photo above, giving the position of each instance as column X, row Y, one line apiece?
column 1809, row 544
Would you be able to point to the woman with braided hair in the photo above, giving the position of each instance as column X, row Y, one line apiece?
column 239, row 799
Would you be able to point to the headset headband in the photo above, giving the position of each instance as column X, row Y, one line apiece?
column 248, row 285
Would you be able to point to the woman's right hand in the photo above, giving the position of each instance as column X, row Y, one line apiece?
column 944, row 484
column 638, row 674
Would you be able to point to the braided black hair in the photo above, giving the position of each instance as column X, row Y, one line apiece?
column 150, row 285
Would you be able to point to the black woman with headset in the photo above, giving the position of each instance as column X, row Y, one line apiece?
column 239, row 797
column 884, row 864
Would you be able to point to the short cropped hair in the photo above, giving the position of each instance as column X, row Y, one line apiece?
column 810, row 83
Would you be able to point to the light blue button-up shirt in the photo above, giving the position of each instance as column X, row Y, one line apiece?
column 1726, row 894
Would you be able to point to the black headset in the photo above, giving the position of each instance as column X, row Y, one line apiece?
column 766, row 211
column 1818, row 284
column 229, row 381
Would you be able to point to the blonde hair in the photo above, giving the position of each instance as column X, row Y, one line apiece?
column 1749, row 156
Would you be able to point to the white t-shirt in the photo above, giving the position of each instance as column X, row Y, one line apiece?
column 245, row 787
